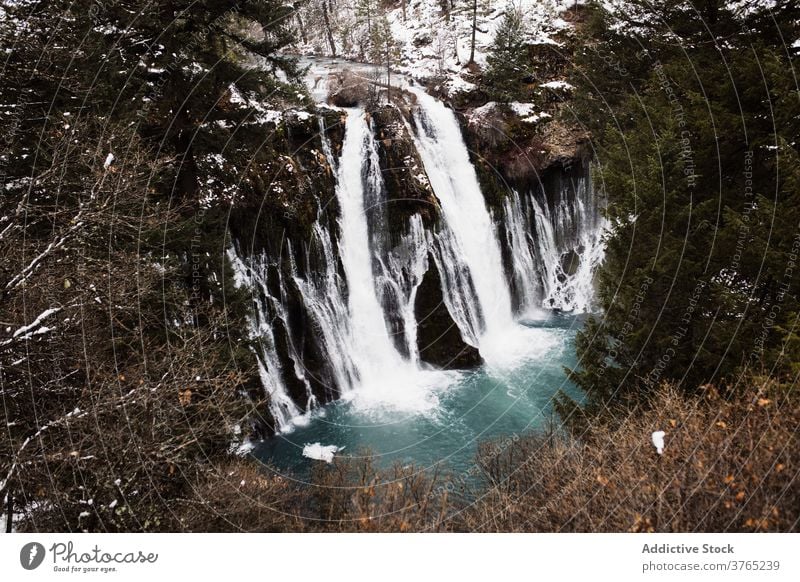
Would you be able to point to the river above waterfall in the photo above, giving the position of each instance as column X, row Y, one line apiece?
column 478, row 405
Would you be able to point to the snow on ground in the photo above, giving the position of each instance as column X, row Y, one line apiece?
column 527, row 112
column 431, row 46
column 557, row 85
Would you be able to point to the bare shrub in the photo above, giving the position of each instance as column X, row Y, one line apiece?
column 117, row 377
column 730, row 464
column 239, row 495
column 352, row 495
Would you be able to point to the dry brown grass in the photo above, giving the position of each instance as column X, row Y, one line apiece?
column 730, row 464
column 241, row 496
column 354, row 496
column 350, row 495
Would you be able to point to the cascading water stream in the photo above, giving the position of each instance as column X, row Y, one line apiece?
column 562, row 246
column 455, row 184
column 400, row 272
column 469, row 239
column 372, row 343
column 386, row 379
column 521, row 242
column 270, row 369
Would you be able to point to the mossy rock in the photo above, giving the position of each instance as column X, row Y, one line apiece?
column 408, row 189
column 289, row 184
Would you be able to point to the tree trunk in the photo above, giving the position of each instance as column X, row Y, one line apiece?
column 10, row 512
column 186, row 182
column 328, row 28
column 302, row 27
column 404, row 2
column 474, row 26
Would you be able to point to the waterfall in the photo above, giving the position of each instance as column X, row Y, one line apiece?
column 371, row 342
column 553, row 254
column 261, row 325
column 555, row 246
column 400, row 272
column 367, row 361
column 387, row 378
column 522, row 241
column 579, row 228
column 324, row 296
column 335, row 314
column 469, row 238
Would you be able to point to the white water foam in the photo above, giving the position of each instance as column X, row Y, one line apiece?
column 386, row 380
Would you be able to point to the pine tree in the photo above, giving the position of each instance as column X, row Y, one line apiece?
column 366, row 15
column 328, row 28
column 112, row 112
column 474, row 30
column 385, row 50
column 507, row 60
column 697, row 155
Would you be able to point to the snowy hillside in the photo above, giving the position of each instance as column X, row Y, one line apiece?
column 433, row 39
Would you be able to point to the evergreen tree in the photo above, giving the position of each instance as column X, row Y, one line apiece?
column 474, row 30
column 385, row 50
column 507, row 60
column 366, row 15
column 697, row 155
column 123, row 124
column 326, row 19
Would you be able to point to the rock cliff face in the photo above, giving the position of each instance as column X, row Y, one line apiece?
column 511, row 151
column 292, row 188
column 438, row 338
column 275, row 231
